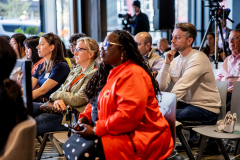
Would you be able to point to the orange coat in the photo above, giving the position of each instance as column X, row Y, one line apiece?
column 129, row 121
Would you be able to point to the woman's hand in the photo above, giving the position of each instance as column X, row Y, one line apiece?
column 78, row 126
column 59, row 104
column 86, row 131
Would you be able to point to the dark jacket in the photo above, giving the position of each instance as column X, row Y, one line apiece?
column 140, row 23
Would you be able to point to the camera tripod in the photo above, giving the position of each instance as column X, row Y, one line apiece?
column 217, row 26
column 217, row 12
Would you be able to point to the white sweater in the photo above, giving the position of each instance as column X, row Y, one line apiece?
column 193, row 79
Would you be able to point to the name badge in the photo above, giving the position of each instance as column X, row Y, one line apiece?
column 69, row 77
column 236, row 73
column 175, row 73
column 46, row 75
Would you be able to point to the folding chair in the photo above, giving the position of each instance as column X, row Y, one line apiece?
column 168, row 108
column 207, row 131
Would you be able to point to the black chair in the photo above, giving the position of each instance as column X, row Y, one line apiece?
column 27, row 83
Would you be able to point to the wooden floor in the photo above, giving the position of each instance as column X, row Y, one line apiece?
column 51, row 154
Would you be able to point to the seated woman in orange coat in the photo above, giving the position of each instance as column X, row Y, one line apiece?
column 126, row 119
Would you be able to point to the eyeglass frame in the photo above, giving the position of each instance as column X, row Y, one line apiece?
column 72, row 45
column 233, row 38
column 79, row 50
column 105, row 47
column 138, row 44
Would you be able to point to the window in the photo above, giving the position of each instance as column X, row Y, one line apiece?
column 19, row 17
column 63, row 22
column 181, row 11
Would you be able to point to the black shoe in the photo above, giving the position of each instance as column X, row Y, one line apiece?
column 210, row 150
column 191, row 144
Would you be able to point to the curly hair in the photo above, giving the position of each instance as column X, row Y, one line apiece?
column 99, row 78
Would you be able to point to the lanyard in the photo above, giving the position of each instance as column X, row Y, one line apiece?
column 76, row 79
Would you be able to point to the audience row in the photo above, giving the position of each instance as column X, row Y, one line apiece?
column 114, row 86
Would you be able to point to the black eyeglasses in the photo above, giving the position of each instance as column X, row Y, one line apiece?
column 138, row 44
column 79, row 49
column 72, row 45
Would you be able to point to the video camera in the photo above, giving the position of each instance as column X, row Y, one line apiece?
column 126, row 22
column 217, row 11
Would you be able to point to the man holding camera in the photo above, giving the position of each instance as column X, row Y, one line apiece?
column 140, row 22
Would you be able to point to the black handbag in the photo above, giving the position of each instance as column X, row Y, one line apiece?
column 80, row 148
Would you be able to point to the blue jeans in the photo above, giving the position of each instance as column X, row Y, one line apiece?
column 47, row 122
column 188, row 112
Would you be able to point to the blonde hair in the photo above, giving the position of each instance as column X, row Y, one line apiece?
column 91, row 44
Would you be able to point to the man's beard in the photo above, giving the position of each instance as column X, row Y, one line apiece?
column 179, row 48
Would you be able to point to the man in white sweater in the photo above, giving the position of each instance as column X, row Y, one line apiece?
column 193, row 79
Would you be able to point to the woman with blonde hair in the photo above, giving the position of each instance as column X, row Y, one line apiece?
column 72, row 91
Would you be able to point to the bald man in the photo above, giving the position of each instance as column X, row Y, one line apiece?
column 163, row 47
column 144, row 43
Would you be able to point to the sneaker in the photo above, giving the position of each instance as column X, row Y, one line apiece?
column 210, row 150
column 191, row 144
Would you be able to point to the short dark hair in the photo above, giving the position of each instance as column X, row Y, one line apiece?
column 6, row 37
column 32, row 43
column 137, row 3
column 189, row 29
column 7, row 59
column 20, row 38
column 76, row 36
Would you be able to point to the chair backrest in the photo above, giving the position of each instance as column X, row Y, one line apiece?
column 170, row 87
column 168, row 106
column 27, row 83
column 222, row 89
column 21, row 141
column 216, row 72
column 235, row 103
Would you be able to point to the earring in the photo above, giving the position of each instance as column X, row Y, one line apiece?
column 122, row 57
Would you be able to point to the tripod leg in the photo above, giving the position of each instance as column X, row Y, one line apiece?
column 205, row 35
column 223, row 41
column 216, row 42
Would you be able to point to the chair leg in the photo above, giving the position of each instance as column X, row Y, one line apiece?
column 55, row 144
column 39, row 138
column 220, row 144
column 42, row 146
column 201, row 147
column 237, row 148
column 185, row 145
